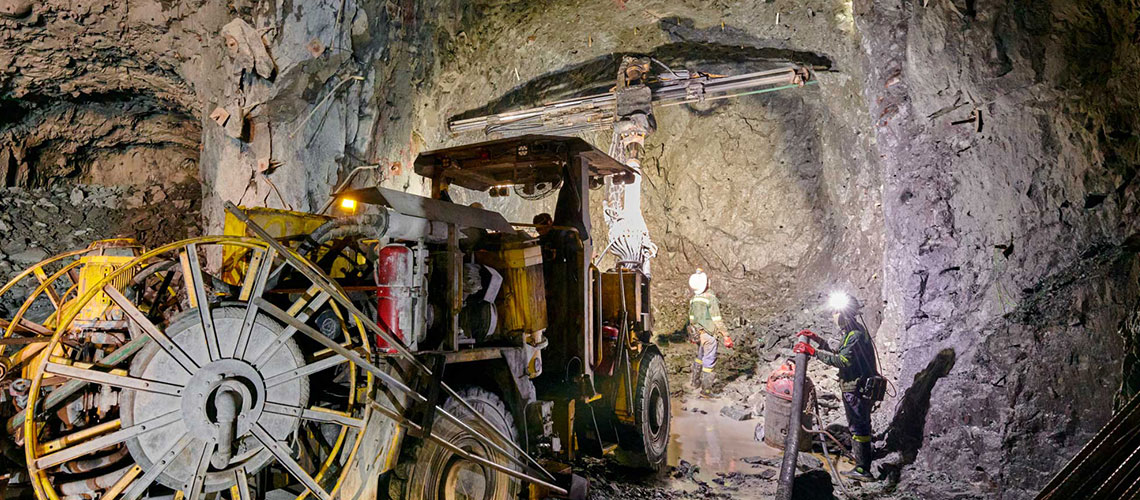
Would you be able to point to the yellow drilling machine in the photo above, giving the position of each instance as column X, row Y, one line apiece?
column 408, row 347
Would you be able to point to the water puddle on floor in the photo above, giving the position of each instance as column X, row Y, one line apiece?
column 710, row 440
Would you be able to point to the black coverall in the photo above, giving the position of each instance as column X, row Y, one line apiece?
column 856, row 361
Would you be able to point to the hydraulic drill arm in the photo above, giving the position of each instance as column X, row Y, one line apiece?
column 599, row 111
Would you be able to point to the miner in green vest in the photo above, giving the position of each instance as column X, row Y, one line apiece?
column 705, row 324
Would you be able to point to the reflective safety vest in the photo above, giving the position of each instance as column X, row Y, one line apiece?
column 855, row 359
column 704, row 311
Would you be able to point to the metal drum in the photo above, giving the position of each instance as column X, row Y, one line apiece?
column 778, row 407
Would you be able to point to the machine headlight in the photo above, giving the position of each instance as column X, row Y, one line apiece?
column 348, row 204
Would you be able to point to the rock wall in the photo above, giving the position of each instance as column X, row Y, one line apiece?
column 97, row 131
column 347, row 78
column 1006, row 131
column 91, row 94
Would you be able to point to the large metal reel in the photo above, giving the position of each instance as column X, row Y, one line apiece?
column 213, row 391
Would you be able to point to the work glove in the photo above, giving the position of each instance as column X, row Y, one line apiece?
column 728, row 342
column 804, row 348
column 809, row 334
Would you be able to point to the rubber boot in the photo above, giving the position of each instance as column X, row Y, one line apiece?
column 695, row 377
column 707, row 380
column 862, row 470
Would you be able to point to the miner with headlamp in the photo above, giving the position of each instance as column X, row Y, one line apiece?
column 859, row 379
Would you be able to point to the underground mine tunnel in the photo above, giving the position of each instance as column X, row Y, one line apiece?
column 605, row 249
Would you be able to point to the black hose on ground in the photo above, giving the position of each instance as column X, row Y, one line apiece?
column 823, row 435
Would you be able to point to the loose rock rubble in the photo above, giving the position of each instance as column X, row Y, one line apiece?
column 38, row 223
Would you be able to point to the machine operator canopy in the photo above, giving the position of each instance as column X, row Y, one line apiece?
column 524, row 160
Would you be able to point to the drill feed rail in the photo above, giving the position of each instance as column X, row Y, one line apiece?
column 570, row 116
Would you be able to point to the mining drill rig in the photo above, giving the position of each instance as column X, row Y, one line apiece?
column 408, row 347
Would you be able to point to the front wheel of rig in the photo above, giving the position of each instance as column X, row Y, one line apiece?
column 428, row 471
column 650, row 434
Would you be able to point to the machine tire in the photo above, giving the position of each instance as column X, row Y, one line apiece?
column 651, row 406
column 427, row 471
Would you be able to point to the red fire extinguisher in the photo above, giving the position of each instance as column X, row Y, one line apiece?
column 393, row 282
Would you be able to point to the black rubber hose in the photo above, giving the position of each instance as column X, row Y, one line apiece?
column 369, row 226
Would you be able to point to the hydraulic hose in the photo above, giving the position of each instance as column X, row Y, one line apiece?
column 367, row 226
column 374, row 226
column 87, row 465
column 383, row 224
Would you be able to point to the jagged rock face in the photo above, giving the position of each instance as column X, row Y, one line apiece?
column 1007, row 136
column 349, row 76
column 131, row 143
column 96, row 92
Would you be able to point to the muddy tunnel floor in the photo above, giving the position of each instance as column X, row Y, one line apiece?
column 717, row 447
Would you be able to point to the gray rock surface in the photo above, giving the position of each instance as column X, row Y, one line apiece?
column 1000, row 229
column 736, row 412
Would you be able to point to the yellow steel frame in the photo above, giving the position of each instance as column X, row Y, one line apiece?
column 88, row 272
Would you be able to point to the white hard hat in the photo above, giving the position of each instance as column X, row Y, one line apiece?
column 699, row 281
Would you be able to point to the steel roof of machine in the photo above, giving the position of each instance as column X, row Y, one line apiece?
column 517, row 160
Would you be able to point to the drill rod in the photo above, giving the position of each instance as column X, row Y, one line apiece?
column 792, row 440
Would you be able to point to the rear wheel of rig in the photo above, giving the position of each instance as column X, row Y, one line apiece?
column 427, row 471
column 651, row 407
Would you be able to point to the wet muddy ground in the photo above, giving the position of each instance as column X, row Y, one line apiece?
column 713, row 442
column 712, row 455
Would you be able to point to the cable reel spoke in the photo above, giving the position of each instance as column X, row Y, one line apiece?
column 315, row 415
column 240, row 489
column 202, row 461
column 112, row 379
column 248, row 394
column 52, row 295
column 140, row 485
column 253, row 287
column 304, row 371
column 300, row 312
column 105, row 441
column 196, row 288
column 120, row 485
column 151, row 330
column 286, row 460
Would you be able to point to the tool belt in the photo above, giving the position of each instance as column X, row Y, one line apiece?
column 873, row 388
